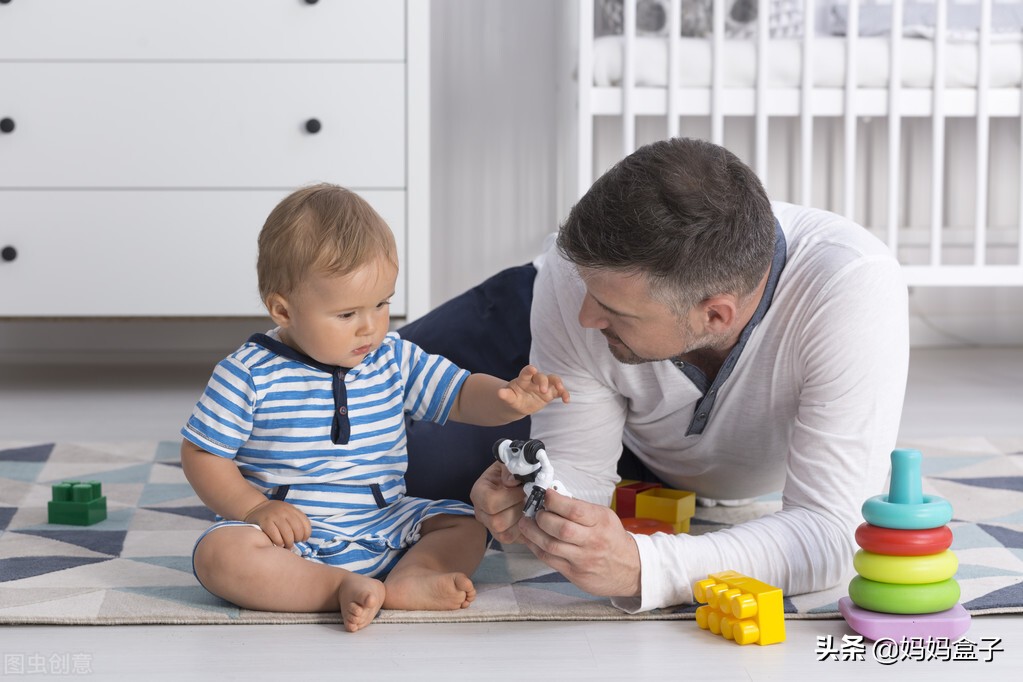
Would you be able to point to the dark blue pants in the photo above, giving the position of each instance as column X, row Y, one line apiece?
column 486, row 329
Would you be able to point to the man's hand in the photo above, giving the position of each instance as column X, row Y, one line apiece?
column 586, row 543
column 497, row 498
column 283, row 523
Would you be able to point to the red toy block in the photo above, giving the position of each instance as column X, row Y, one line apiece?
column 624, row 503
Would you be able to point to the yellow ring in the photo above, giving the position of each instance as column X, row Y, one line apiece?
column 906, row 570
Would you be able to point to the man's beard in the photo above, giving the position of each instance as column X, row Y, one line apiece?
column 625, row 355
column 622, row 353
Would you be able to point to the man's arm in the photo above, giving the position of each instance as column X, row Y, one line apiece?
column 854, row 360
column 587, row 544
column 583, row 437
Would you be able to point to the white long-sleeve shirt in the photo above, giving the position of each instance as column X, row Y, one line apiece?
column 810, row 407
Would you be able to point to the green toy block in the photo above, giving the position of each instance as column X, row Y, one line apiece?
column 76, row 503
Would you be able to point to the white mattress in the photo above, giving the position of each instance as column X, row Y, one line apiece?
column 785, row 63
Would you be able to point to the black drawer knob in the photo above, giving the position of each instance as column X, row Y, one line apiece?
column 313, row 125
column 6, row 124
column 8, row 253
column 4, row 2
column 308, row 2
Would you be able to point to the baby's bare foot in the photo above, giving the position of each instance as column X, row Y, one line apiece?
column 427, row 591
column 359, row 598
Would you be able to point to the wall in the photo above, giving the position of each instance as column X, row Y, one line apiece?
column 497, row 173
column 493, row 166
column 496, row 179
column 494, row 150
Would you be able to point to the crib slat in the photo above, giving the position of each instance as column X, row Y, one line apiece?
column 894, row 126
column 850, row 120
column 584, row 101
column 629, row 78
column 674, row 36
column 938, row 135
column 806, row 105
column 717, row 117
column 760, row 126
column 983, row 132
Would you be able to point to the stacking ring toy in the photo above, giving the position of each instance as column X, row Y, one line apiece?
column 906, row 570
column 908, row 599
column 903, row 542
column 905, row 506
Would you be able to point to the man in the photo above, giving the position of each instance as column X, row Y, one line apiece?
column 714, row 342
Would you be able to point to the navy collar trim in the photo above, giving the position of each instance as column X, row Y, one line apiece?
column 710, row 390
column 340, row 427
column 283, row 349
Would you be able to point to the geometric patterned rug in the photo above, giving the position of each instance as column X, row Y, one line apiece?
column 135, row 567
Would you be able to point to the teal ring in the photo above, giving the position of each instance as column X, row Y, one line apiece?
column 933, row 512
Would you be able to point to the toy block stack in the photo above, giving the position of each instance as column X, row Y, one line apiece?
column 905, row 585
column 740, row 608
column 650, row 508
column 77, row 504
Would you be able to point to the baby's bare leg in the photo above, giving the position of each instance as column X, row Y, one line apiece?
column 434, row 573
column 241, row 565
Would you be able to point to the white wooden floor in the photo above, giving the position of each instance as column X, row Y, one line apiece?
column 962, row 392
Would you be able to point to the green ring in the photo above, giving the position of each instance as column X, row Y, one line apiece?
column 905, row 599
column 906, row 570
column 934, row 511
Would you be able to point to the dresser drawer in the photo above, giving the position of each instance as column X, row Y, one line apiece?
column 203, row 29
column 146, row 253
column 126, row 125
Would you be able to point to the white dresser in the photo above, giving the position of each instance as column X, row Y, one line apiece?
column 142, row 144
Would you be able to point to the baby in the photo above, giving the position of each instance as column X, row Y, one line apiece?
column 298, row 442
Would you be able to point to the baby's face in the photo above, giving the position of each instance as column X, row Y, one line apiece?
column 340, row 319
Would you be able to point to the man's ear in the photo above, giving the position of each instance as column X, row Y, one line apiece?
column 280, row 311
column 718, row 313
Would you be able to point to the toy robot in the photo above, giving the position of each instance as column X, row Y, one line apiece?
column 528, row 461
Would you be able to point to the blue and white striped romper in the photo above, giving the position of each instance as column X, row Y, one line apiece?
column 330, row 440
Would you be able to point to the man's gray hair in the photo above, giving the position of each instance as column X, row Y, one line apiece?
column 686, row 214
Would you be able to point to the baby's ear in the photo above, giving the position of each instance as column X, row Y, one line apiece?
column 279, row 310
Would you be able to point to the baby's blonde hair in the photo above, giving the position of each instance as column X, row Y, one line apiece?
column 319, row 229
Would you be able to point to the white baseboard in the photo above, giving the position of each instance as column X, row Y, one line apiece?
column 127, row 341
column 963, row 317
column 939, row 317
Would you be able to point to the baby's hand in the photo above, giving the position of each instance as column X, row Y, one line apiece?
column 531, row 390
column 283, row 523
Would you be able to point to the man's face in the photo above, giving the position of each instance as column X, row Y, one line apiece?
column 637, row 327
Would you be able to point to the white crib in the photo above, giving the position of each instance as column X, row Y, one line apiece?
column 929, row 160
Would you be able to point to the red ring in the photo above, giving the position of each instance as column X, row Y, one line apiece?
column 895, row 542
column 647, row 526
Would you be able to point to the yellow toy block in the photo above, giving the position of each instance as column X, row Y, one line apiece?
column 740, row 608
column 664, row 504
